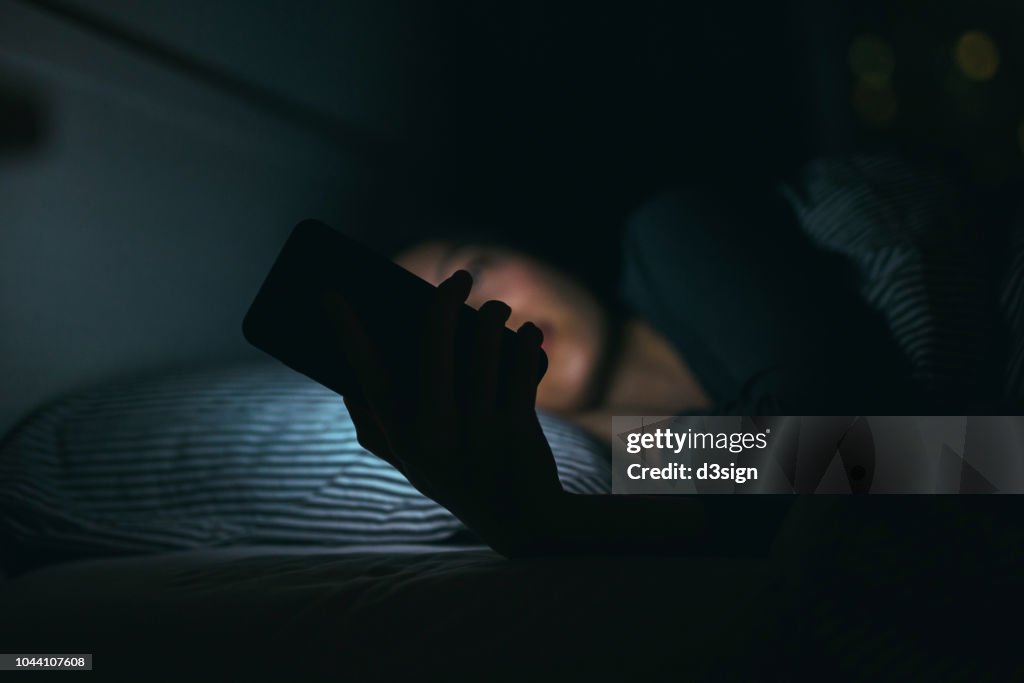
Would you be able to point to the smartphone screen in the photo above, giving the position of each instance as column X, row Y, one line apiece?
column 287, row 318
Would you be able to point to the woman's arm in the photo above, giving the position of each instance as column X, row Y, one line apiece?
column 487, row 460
column 732, row 525
column 631, row 524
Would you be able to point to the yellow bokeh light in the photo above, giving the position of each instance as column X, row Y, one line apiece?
column 977, row 56
column 871, row 59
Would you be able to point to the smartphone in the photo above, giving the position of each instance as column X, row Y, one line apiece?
column 288, row 319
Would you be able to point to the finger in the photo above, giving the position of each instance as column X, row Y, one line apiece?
column 522, row 394
column 437, row 365
column 487, row 356
column 369, row 433
column 362, row 358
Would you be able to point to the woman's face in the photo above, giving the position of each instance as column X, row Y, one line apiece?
column 574, row 324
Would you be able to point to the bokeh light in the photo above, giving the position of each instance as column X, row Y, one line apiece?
column 977, row 56
column 871, row 59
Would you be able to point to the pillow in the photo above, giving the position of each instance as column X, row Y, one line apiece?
column 252, row 454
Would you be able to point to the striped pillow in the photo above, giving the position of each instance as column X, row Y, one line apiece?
column 253, row 454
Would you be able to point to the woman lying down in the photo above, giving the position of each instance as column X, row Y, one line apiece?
column 727, row 307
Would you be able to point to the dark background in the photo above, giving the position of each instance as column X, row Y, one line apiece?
column 153, row 155
column 567, row 115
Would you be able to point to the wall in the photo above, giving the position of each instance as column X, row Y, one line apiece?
column 143, row 194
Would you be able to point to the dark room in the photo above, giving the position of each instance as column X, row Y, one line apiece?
column 437, row 340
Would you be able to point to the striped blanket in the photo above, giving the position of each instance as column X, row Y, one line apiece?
column 915, row 242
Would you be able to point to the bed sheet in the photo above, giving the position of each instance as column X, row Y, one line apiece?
column 881, row 588
column 403, row 613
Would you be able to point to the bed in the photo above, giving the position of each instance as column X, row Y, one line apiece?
column 225, row 520
column 404, row 612
column 134, row 530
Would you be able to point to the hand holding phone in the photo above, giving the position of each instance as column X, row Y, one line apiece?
column 486, row 459
column 444, row 393
column 287, row 319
